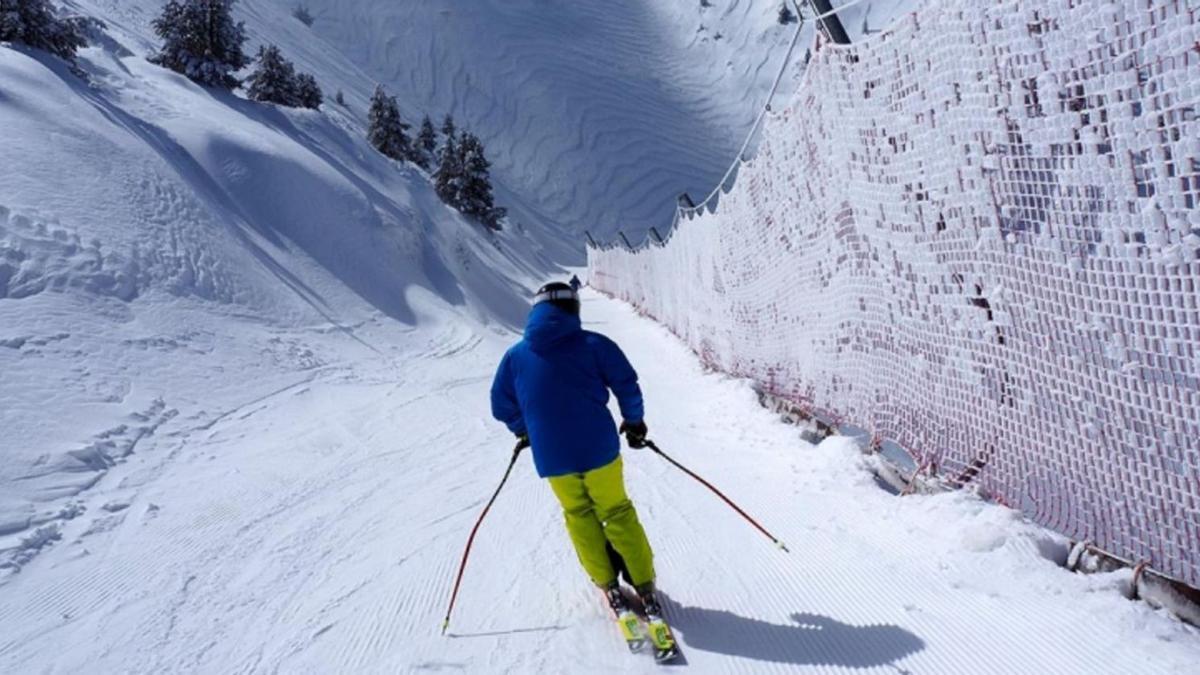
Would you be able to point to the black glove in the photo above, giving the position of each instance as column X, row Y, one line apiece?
column 522, row 441
column 635, row 433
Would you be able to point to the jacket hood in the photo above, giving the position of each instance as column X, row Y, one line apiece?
column 549, row 325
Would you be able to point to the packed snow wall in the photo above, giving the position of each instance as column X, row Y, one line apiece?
column 977, row 235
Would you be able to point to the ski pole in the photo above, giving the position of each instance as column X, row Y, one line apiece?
column 650, row 444
column 521, row 445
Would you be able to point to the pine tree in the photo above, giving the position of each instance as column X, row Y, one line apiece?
column 786, row 15
column 303, row 15
column 448, row 129
column 201, row 40
column 36, row 24
column 475, row 194
column 340, row 98
column 449, row 178
column 274, row 80
column 308, row 92
column 426, row 143
column 385, row 129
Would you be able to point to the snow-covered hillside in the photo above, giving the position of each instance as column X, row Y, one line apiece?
column 154, row 233
column 597, row 113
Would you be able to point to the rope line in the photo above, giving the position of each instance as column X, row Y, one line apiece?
column 739, row 158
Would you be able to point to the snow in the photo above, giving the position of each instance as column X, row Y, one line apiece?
column 245, row 363
column 164, row 249
column 149, row 227
column 317, row 527
column 596, row 114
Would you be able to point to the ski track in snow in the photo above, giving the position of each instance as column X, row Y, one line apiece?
column 317, row 528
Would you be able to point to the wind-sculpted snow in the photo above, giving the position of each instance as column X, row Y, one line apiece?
column 978, row 235
column 596, row 114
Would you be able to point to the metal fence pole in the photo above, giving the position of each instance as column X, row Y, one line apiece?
column 830, row 25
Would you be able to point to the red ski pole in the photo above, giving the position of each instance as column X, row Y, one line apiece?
column 650, row 444
column 521, row 444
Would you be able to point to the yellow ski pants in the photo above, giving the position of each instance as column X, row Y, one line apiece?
column 597, row 510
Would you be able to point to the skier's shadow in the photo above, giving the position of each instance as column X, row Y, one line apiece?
column 812, row 640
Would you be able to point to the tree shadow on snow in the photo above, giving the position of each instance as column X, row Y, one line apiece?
column 192, row 173
column 436, row 273
column 812, row 640
column 354, row 268
column 369, row 263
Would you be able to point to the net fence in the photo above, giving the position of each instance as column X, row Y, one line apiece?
column 977, row 235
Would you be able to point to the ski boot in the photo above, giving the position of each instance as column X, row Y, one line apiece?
column 627, row 620
column 665, row 648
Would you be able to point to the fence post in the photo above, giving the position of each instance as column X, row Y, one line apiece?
column 626, row 240
column 830, row 25
column 589, row 238
column 657, row 237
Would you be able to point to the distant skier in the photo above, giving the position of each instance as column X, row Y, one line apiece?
column 576, row 284
column 551, row 390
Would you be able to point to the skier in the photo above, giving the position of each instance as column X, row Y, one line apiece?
column 551, row 390
column 576, row 284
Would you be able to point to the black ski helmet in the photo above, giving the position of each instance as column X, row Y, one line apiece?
column 560, row 295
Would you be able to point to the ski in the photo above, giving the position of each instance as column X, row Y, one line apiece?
column 666, row 649
column 628, row 622
column 640, row 623
column 631, row 631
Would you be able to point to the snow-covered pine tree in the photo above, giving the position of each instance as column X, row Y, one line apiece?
column 385, row 129
column 475, row 196
column 201, row 40
column 340, row 98
column 449, row 134
column 449, row 178
column 786, row 15
column 308, row 92
column 274, row 80
column 426, row 143
column 36, row 23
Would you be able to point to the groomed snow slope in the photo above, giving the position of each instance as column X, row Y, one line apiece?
column 317, row 529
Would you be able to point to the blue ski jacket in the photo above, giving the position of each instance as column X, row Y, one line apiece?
column 554, row 386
